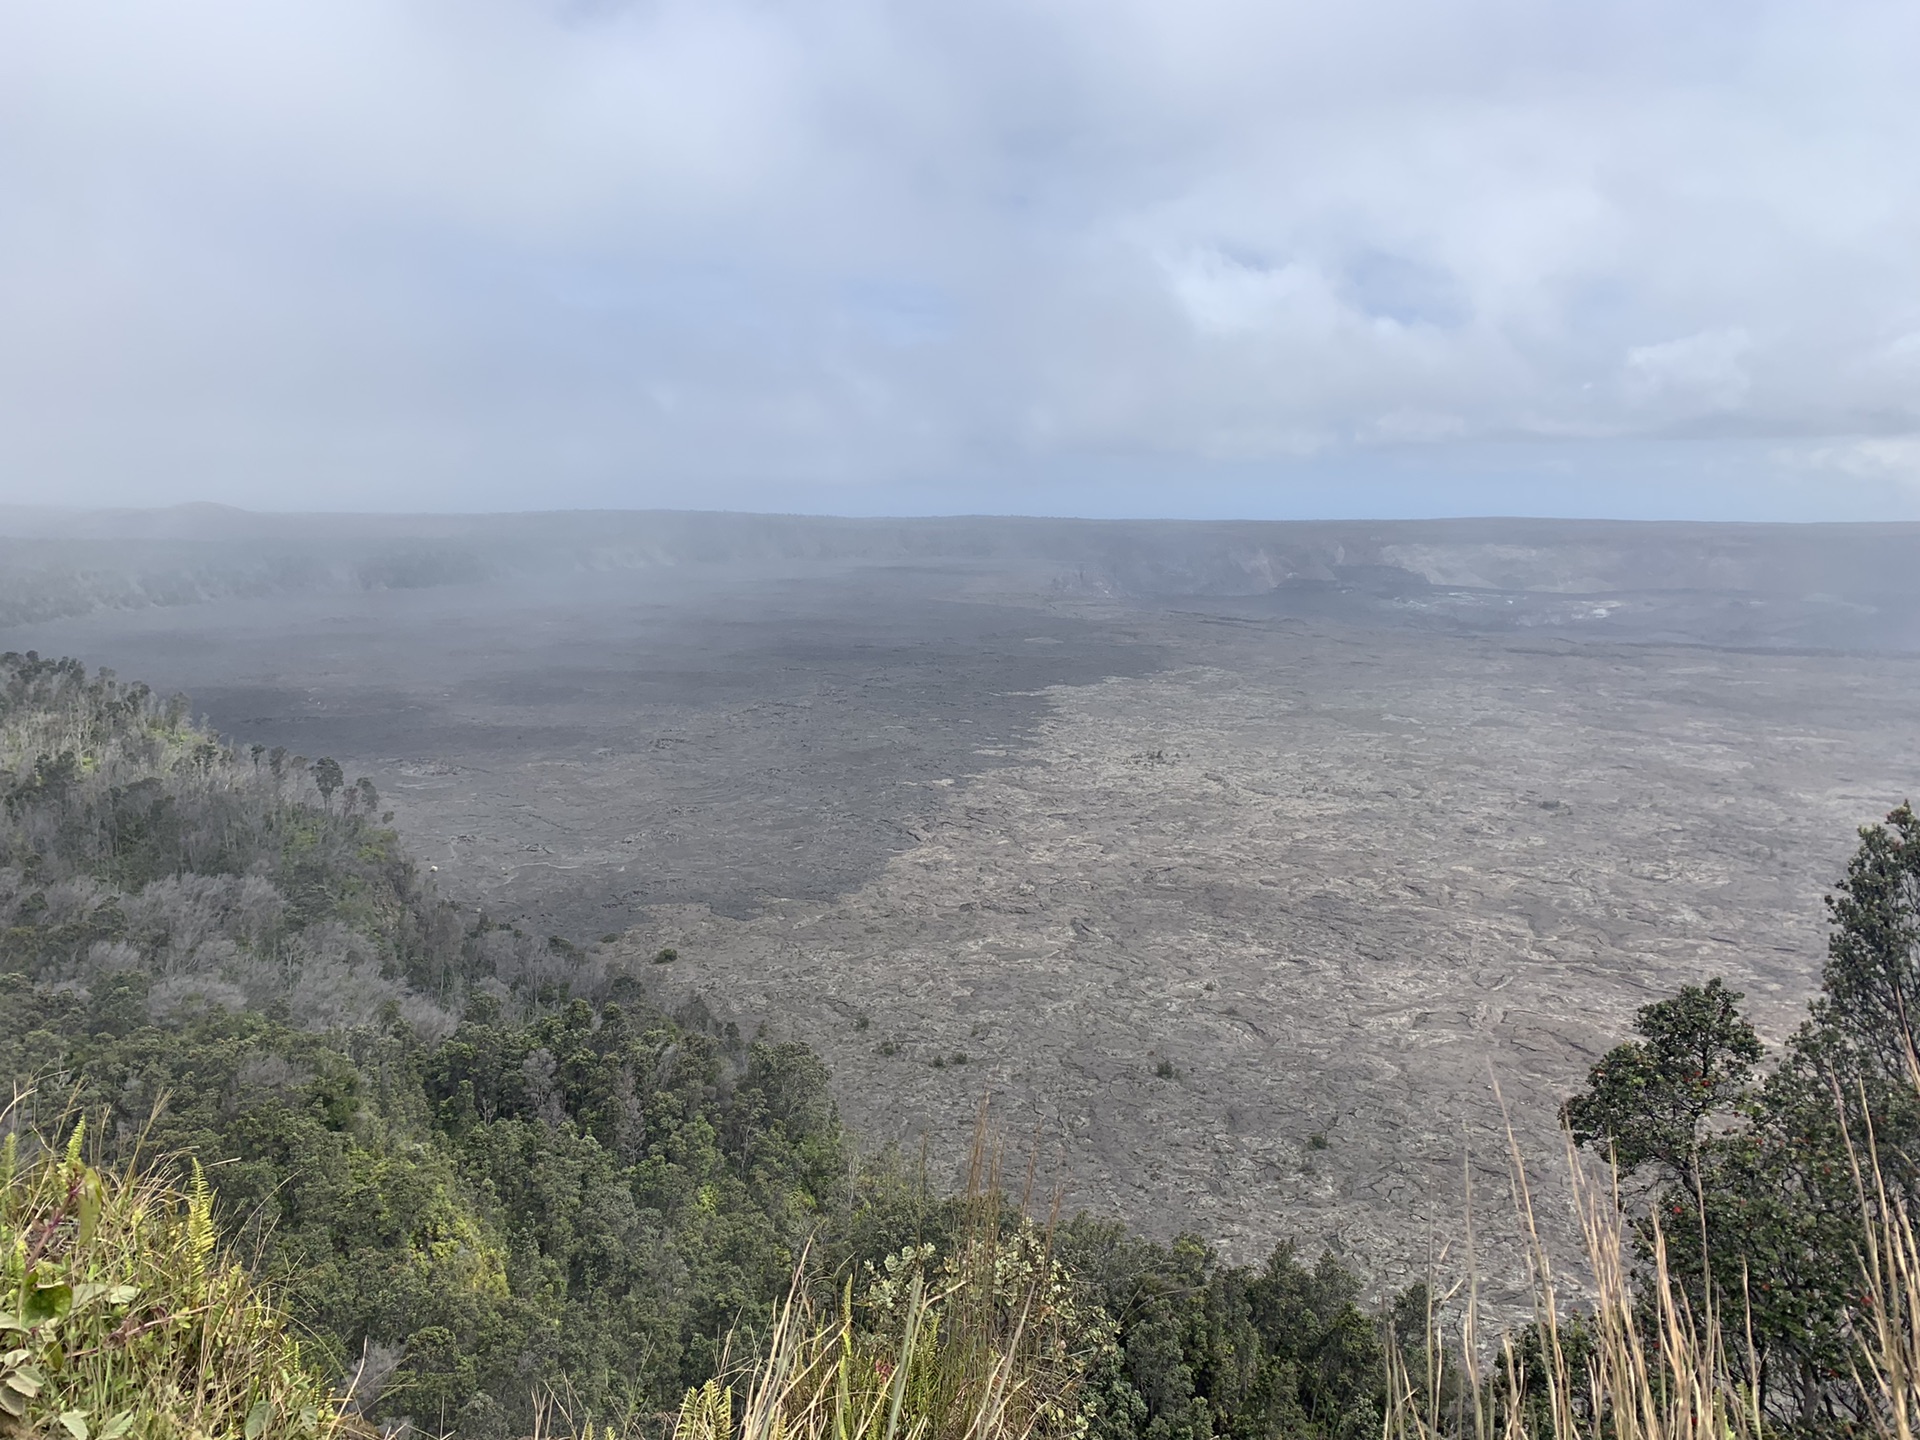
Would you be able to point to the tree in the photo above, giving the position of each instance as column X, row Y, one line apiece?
column 1870, row 989
column 1760, row 1178
column 327, row 775
column 1649, row 1101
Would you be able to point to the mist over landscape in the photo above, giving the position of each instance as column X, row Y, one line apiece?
column 1011, row 720
column 1338, row 819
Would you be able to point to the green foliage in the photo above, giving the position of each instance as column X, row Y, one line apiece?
column 1766, row 1174
column 1650, row 1099
column 591, row 1202
column 1863, row 1021
column 1206, row 1349
column 988, row 1349
column 220, row 954
column 121, row 1318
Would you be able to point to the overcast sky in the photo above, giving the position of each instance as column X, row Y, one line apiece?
column 1160, row 257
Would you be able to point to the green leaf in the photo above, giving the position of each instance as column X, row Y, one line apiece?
column 88, row 1292
column 117, row 1426
column 258, row 1417
column 48, row 1303
column 75, row 1424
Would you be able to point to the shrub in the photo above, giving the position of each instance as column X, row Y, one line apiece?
column 128, row 1320
column 988, row 1344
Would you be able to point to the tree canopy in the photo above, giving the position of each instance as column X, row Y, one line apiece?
column 1754, row 1169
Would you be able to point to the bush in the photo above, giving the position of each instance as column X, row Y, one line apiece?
column 130, row 1319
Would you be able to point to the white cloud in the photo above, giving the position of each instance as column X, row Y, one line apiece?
column 424, row 252
column 1223, row 296
column 1884, row 458
column 1698, row 373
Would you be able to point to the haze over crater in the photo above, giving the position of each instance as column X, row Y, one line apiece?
column 1336, row 820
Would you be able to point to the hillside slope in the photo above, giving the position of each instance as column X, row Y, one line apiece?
column 486, row 1173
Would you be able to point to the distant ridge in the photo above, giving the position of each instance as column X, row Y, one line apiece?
column 1214, row 556
column 1857, row 584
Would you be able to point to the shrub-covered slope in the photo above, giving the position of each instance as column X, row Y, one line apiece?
column 484, row 1170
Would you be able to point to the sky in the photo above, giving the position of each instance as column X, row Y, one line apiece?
column 1634, row 258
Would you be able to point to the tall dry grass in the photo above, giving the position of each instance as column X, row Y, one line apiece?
column 985, row 1345
column 1637, row 1361
column 1634, row 1360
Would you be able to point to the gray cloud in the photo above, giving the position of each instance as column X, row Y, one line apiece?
column 1209, row 256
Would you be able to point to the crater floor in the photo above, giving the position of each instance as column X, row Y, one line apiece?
column 1344, row 882
column 1339, row 859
